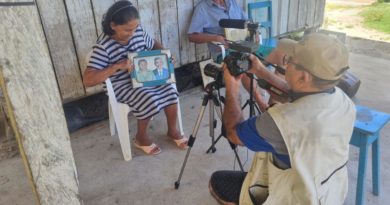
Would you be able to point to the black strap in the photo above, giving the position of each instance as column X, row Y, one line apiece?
column 296, row 95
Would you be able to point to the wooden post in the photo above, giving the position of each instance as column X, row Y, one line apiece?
column 28, row 82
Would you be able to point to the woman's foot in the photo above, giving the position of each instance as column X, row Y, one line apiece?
column 151, row 149
column 180, row 141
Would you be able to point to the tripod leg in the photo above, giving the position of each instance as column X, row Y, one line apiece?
column 213, row 145
column 234, row 147
column 212, row 126
column 191, row 141
column 244, row 106
column 258, row 109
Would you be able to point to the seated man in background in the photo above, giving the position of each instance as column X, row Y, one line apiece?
column 302, row 146
column 204, row 28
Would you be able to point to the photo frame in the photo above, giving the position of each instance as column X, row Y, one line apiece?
column 152, row 68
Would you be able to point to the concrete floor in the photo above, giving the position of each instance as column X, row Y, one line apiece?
column 106, row 179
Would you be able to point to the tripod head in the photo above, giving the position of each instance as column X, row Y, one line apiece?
column 212, row 86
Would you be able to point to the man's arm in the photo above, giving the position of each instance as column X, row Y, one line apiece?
column 262, row 72
column 232, row 114
column 205, row 38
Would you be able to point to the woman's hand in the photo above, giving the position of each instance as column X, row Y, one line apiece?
column 124, row 64
column 173, row 60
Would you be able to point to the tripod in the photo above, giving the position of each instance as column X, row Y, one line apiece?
column 252, row 105
column 211, row 98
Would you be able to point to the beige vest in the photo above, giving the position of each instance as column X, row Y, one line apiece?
column 317, row 130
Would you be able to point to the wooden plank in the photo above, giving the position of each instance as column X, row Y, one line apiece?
column 135, row 3
column 292, row 23
column 319, row 13
column 59, row 38
column 29, row 86
column 311, row 5
column 302, row 13
column 169, row 28
column 283, row 16
column 187, row 49
column 99, row 9
column 275, row 17
column 201, row 50
column 84, row 33
column 149, row 16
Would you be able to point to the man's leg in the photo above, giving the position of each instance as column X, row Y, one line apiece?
column 225, row 186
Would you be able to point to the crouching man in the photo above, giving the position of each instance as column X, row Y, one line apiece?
column 302, row 145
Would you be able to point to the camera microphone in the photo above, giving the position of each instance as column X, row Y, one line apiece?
column 271, row 88
column 233, row 23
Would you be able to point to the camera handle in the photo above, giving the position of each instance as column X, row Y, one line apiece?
column 211, row 98
column 222, row 47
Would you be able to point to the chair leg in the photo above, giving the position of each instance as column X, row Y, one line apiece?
column 111, row 120
column 376, row 166
column 360, row 194
column 179, row 120
column 123, row 134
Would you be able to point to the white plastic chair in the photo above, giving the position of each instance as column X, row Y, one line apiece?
column 118, row 117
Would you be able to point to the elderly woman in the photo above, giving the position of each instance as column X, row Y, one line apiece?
column 122, row 34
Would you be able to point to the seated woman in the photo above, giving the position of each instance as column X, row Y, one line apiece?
column 122, row 34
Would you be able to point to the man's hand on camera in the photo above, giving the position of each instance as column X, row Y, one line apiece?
column 257, row 67
column 232, row 83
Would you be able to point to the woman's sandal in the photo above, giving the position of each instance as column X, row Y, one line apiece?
column 152, row 149
column 181, row 143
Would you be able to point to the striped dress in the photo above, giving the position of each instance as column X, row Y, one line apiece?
column 144, row 102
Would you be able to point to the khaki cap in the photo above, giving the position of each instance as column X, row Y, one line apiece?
column 323, row 56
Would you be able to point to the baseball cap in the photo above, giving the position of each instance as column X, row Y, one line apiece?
column 323, row 56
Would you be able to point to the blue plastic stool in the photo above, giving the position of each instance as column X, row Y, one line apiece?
column 367, row 129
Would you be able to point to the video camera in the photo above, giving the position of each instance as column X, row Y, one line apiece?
column 237, row 60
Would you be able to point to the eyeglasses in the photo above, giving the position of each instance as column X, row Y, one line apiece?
column 288, row 60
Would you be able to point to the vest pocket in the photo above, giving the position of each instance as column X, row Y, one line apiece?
column 258, row 193
column 331, row 185
column 281, row 185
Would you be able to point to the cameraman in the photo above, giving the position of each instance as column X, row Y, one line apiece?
column 302, row 146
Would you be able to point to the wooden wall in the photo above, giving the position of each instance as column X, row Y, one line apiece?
column 72, row 26
column 28, row 83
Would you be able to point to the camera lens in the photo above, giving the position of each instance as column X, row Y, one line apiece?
column 212, row 70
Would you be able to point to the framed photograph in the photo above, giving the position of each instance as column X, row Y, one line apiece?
column 152, row 68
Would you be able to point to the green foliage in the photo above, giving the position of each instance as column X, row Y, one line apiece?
column 377, row 16
column 329, row 7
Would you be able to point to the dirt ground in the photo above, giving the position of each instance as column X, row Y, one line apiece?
column 348, row 21
column 106, row 179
